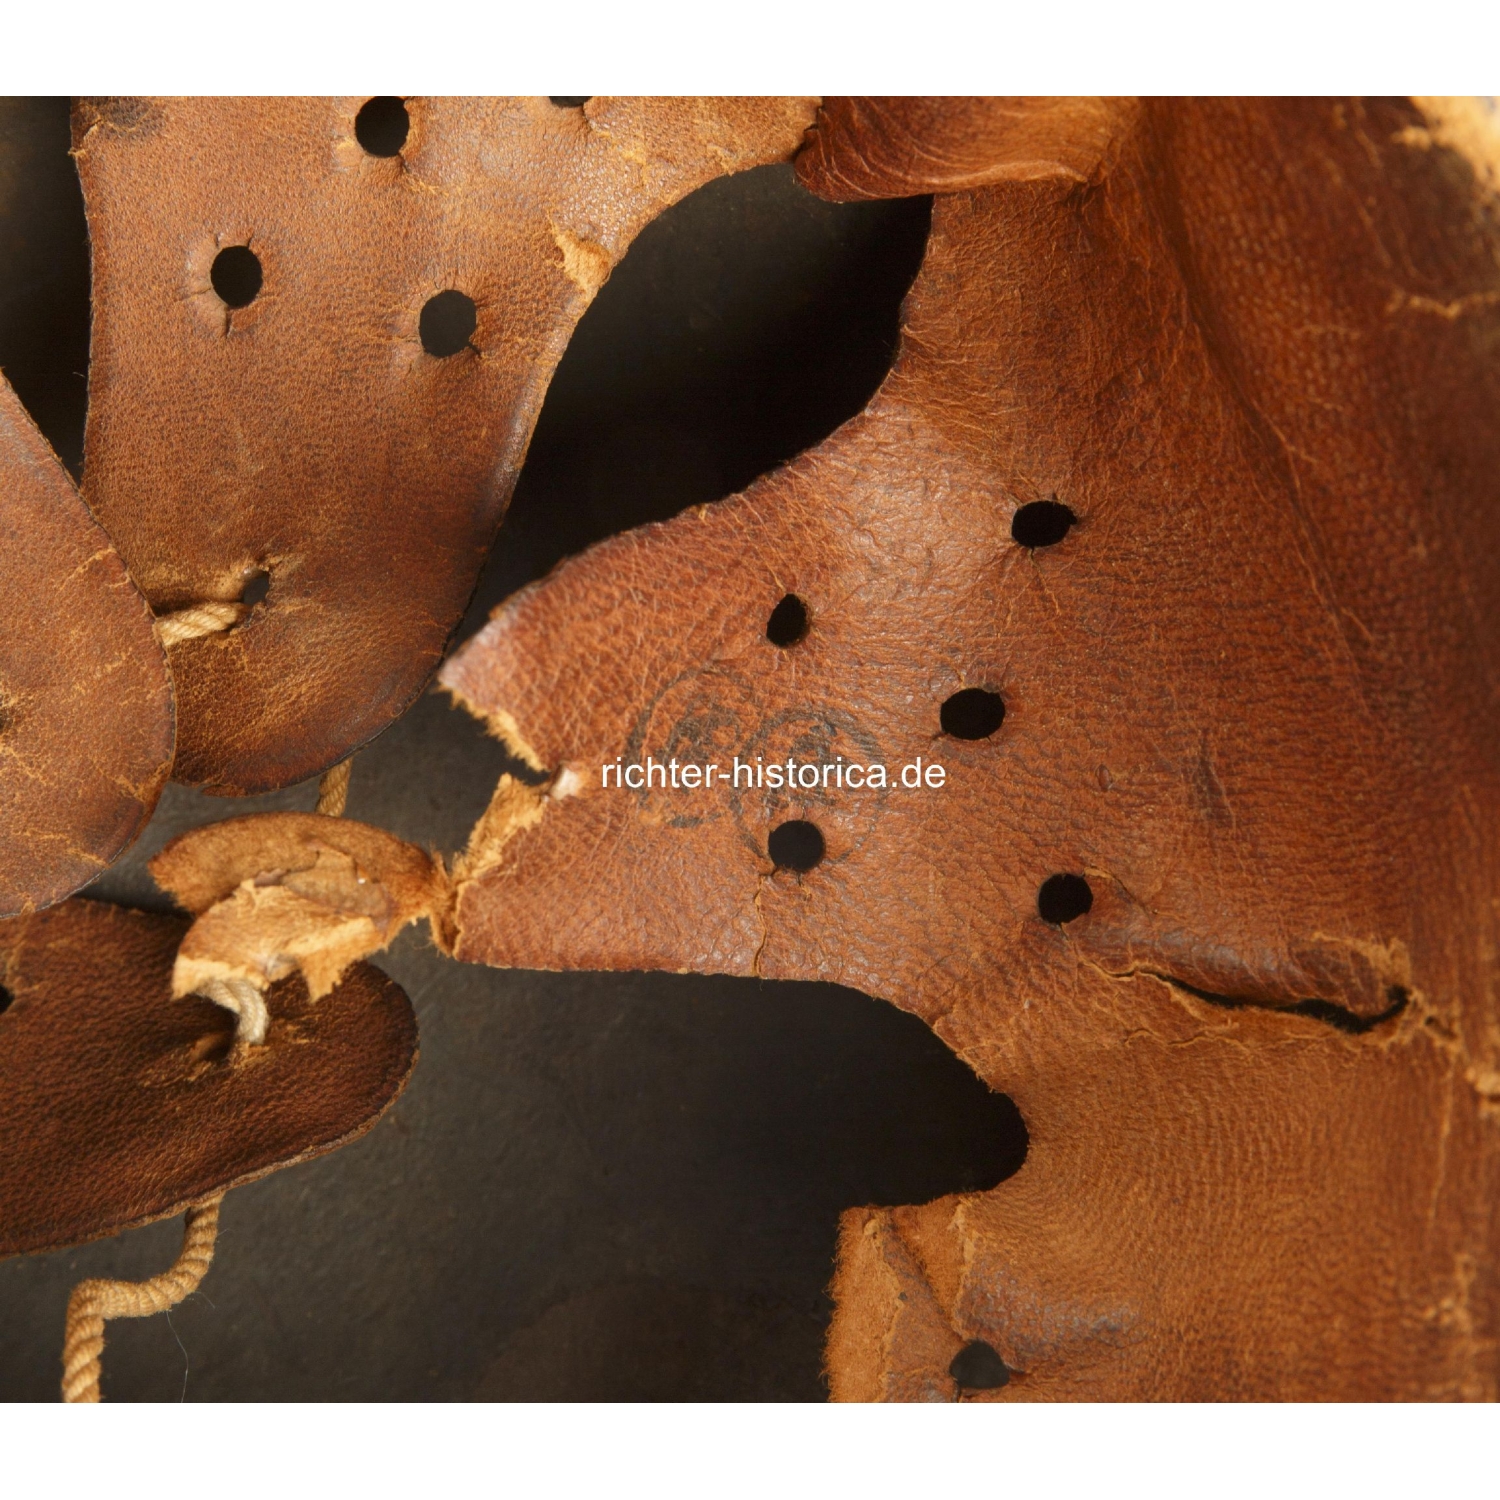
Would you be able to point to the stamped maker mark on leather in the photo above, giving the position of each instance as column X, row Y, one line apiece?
column 710, row 717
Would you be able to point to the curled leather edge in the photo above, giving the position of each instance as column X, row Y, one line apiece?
column 862, row 148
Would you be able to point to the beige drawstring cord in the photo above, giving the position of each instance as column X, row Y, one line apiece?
column 333, row 789
column 246, row 1001
column 93, row 1302
column 200, row 619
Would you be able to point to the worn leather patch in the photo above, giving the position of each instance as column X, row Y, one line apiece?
column 269, row 411
column 120, row 1105
column 85, row 697
column 1248, row 705
column 277, row 892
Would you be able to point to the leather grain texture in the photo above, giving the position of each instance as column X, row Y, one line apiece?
column 307, row 436
column 85, row 697
column 119, row 1105
column 1250, row 697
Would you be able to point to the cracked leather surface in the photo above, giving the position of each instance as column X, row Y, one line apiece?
column 1250, row 697
column 119, row 1105
column 85, row 697
column 308, row 433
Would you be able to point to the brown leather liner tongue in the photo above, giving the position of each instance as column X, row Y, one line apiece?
column 315, row 370
column 85, row 698
column 1188, row 461
column 120, row 1105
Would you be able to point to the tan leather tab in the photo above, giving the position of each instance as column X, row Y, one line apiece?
column 276, row 893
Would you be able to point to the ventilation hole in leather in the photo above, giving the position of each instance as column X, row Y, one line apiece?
column 382, row 125
column 569, row 101
column 972, row 714
column 5, row 999
column 745, row 324
column 213, row 1047
column 1043, row 523
column 788, row 622
column 977, row 1367
column 795, row 845
column 236, row 275
column 44, row 249
column 257, row 586
column 1062, row 898
column 447, row 323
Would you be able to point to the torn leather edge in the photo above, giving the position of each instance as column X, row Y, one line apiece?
column 277, row 893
